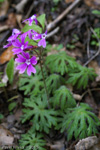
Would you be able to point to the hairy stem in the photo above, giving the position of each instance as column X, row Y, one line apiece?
column 40, row 57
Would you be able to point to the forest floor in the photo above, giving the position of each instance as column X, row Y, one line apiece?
column 72, row 33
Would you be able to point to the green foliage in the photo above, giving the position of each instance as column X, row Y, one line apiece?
column 96, row 12
column 10, row 70
column 1, row 83
column 80, row 122
column 56, row 1
column 95, row 41
column 41, row 20
column 35, row 27
column 11, row 106
column 63, row 98
column 1, row 116
column 32, row 140
column 80, row 76
column 1, row 1
column 59, row 62
column 31, row 83
column 36, row 110
column 53, row 82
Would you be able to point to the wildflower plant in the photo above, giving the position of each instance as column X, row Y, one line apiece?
column 44, row 82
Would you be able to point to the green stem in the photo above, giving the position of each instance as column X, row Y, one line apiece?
column 40, row 57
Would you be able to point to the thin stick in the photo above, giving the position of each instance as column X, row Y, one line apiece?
column 97, row 53
column 60, row 17
column 52, row 32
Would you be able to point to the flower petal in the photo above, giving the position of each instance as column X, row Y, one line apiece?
column 16, row 50
column 30, row 22
column 30, row 69
column 22, row 68
column 22, row 37
column 33, row 60
column 26, row 55
column 20, row 59
column 16, row 43
column 7, row 45
column 42, row 43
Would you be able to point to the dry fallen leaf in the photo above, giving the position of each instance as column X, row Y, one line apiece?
column 93, row 3
column 86, row 143
column 11, row 21
column 6, row 137
column 96, row 67
column 6, row 55
column 69, row 1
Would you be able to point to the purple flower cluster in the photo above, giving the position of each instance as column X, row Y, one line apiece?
column 18, row 40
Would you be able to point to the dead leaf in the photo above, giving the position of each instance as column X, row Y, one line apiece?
column 6, row 55
column 69, row 1
column 93, row 3
column 11, row 21
column 96, row 67
column 86, row 143
column 19, row 20
column 6, row 137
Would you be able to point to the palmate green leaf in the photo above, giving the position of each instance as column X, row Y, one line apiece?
column 53, row 82
column 60, row 62
column 79, row 122
column 41, row 20
column 80, row 76
column 36, row 110
column 10, row 70
column 31, row 85
column 63, row 98
column 32, row 140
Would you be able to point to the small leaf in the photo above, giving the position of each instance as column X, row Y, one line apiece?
column 33, row 27
column 11, row 106
column 1, row 116
column 41, row 20
column 10, row 70
column 2, row 84
column 96, row 12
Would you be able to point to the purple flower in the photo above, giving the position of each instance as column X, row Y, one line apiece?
column 42, row 42
column 30, row 33
column 42, row 38
column 14, row 35
column 36, row 36
column 27, row 63
column 20, row 46
column 31, row 19
column 12, row 38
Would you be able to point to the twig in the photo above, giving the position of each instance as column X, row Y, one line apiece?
column 29, row 11
column 3, row 28
column 97, row 53
column 88, row 41
column 20, row 6
column 59, row 18
column 52, row 32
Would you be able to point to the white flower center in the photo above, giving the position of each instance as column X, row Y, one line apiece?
column 22, row 47
column 28, row 61
column 33, row 17
column 43, row 36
